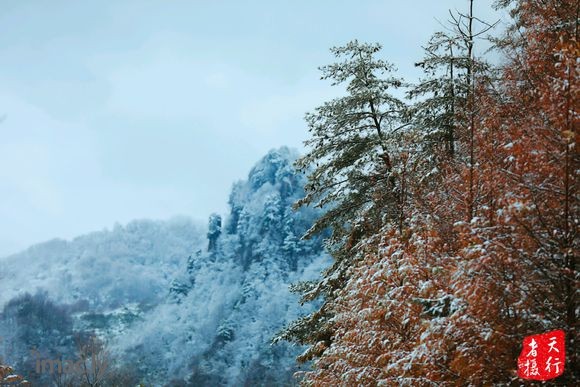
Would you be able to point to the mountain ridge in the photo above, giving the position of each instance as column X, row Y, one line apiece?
column 179, row 302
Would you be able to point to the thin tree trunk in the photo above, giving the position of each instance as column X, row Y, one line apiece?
column 470, row 103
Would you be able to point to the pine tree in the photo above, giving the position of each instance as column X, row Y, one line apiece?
column 214, row 231
column 443, row 117
column 351, row 141
column 272, row 215
column 352, row 162
column 443, row 92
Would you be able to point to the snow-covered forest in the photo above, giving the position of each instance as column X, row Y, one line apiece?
column 426, row 229
column 175, row 303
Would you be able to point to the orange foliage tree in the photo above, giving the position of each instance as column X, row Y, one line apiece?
column 448, row 299
column 9, row 378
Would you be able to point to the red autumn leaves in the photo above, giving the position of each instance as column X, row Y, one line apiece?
column 447, row 299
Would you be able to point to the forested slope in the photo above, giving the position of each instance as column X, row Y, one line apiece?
column 454, row 212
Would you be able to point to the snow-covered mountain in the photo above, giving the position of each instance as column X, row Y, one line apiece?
column 177, row 303
column 132, row 263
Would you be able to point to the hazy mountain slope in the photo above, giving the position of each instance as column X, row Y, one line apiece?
column 177, row 305
column 132, row 263
column 224, row 309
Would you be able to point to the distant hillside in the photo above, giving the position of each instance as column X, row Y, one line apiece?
column 178, row 304
column 233, row 295
column 132, row 263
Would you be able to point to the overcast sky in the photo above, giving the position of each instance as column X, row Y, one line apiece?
column 116, row 110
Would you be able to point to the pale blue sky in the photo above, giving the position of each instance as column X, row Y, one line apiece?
column 123, row 109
